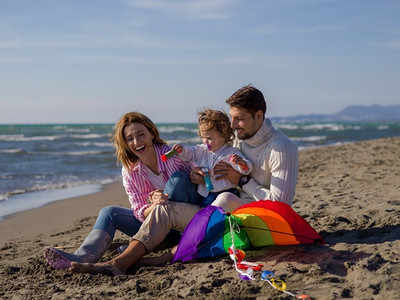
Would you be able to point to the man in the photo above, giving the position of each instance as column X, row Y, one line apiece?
column 274, row 155
column 275, row 160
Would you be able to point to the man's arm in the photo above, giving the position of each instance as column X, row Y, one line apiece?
column 283, row 164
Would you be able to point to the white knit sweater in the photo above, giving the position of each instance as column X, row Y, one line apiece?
column 275, row 165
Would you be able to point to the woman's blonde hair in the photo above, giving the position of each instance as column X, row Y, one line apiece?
column 122, row 151
column 218, row 120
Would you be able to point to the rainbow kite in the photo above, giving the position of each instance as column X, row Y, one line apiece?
column 258, row 224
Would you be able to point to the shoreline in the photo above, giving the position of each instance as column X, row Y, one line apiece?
column 38, row 199
column 350, row 194
column 88, row 205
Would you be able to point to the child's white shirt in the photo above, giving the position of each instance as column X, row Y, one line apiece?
column 205, row 158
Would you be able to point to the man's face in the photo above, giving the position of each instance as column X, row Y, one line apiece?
column 243, row 123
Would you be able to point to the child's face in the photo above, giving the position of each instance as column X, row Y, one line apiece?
column 212, row 138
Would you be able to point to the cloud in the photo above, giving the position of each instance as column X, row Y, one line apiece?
column 125, row 59
column 279, row 28
column 393, row 45
column 188, row 10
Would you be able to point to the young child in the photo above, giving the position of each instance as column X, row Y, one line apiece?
column 217, row 136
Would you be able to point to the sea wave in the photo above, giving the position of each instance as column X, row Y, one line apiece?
column 189, row 141
column 89, row 136
column 310, row 138
column 66, row 128
column 70, row 153
column 11, row 151
column 314, row 146
column 287, row 126
column 323, row 126
column 77, row 153
column 174, row 129
column 55, row 186
column 23, row 138
column 97, row 144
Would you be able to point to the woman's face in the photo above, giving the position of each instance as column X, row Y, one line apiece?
column 212, row 138
column 139, row 139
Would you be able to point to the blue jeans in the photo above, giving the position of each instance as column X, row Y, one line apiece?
column 180, row 189
column 113, row 218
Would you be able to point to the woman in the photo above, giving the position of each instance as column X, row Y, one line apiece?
column 139, row 148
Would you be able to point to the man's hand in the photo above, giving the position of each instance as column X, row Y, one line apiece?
column 197, row 176
column 223, row 170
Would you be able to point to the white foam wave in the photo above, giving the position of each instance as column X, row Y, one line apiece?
column 323, row 126
column 329, row 127
column 287, row 126
column 89, row 136
column 103, row 144
column 68, row 129
column 194, row 140
column 301, row 148
column 11, row 151
column 97, row 144
column 382, row 127
column 23, row 138
column 172, row 129
column 78, row 153
column 310, row 138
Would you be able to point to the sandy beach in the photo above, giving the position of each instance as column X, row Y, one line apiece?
column 350, row 194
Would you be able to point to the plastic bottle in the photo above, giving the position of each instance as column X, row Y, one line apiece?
column 207, row 179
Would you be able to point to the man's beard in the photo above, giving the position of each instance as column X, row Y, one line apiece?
column 246, row 136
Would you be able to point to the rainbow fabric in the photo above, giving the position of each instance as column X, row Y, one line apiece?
column 258, row 224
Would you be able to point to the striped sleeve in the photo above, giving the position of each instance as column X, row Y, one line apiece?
column 137, row 189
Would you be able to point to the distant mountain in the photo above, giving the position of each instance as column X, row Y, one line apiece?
column 355, row 113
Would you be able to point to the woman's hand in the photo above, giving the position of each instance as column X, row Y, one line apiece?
column 223, row 170
column 197, row 176
column 157, row 197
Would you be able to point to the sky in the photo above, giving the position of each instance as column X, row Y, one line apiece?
column 91, row 61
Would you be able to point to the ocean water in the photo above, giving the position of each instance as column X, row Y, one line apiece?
column 44, row 163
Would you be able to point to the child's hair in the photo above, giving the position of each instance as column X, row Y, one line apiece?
column 218, row 120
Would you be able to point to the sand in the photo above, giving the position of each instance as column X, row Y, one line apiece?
column 350, row 194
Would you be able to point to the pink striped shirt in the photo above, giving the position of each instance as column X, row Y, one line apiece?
column 137, row 184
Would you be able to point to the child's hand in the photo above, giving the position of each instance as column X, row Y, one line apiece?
column 237, row 160
column 178, row 148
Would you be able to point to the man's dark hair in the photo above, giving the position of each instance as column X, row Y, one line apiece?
column 249, row 98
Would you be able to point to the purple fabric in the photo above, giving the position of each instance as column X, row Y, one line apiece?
column 194, row 234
